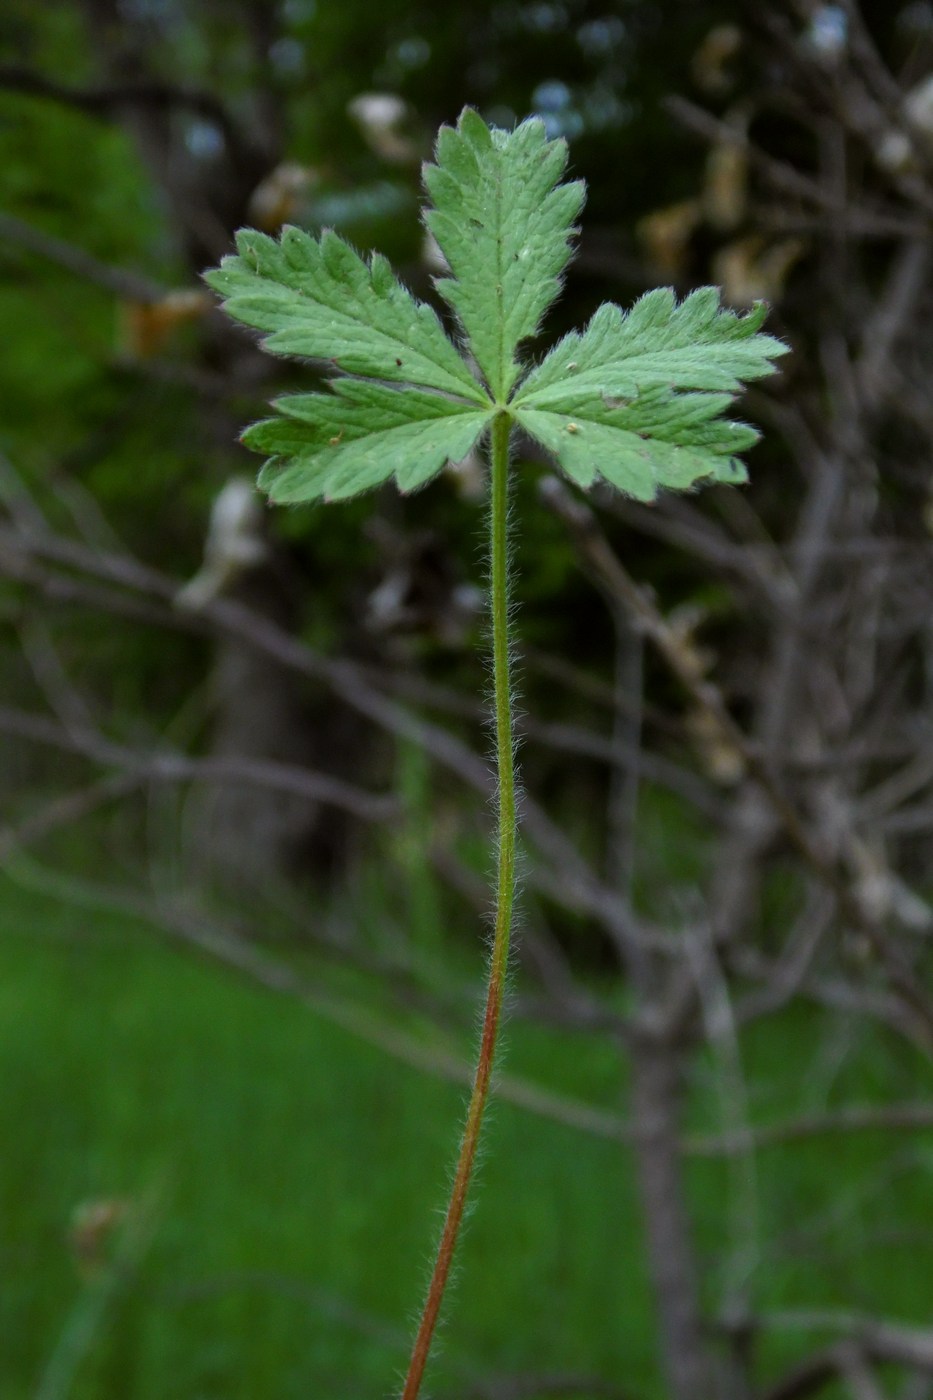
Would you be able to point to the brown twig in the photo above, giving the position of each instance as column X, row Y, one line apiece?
column 685, row 665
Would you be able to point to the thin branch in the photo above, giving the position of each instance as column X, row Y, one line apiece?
column 168, row 766
column 885, row 1118
column 131, row 285
column 562, row 873
column 64, row 810
column 782, row 176
column 602, row 561
column 878, row 1342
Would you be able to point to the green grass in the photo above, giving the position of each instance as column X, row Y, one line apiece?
column 298, row 1176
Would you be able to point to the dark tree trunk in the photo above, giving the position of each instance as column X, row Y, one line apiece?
column 655, row 1107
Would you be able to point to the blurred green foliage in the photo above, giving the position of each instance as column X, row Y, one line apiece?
column 131, row 1072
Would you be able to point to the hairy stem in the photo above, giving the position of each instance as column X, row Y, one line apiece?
column 505, row 893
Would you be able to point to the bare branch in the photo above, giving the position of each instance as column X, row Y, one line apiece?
column 107, row 99
column 167, row 766
column 682, row 661
column 131, row 285
column 563, row 874
column 871, row 1118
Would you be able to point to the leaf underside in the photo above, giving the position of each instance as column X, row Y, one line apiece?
column 504, row 225
column 319, row 299
column 637, row 398
column 336, row 444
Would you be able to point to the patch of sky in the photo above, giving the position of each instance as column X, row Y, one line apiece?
column 552, row 101
column 382, row 200
column 203, row 139
column 603, row 108
column 543, row 18
column 828, row 30
column 412, row 52
column 287, row 56
column 299, row 11
column 599, row 38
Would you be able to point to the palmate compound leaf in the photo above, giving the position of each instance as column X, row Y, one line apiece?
column 636, row 398
column 615, row 401
column 504, row 225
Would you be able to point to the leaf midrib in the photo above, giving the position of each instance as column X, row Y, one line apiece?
column 500, row 391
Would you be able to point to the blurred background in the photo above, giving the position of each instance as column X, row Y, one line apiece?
column 244, row 776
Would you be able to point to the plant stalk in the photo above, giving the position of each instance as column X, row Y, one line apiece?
column 505, row 896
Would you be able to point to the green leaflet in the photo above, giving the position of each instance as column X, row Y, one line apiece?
column 695, row 345
column 638, row 452
column 608, row 402
column 337, row 444
column 318, row 298
column 504, row 226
